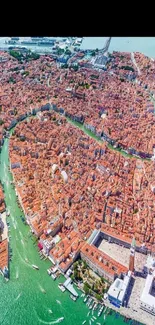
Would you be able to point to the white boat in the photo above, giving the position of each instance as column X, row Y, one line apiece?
column 60, row 319
column 84, row 322
column 58, row 302
column 61, row 287
column 73, row 298
column 49, row 271
column 35, row 267
column 53, row 276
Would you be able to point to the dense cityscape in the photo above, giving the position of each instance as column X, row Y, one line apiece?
column 80, row 131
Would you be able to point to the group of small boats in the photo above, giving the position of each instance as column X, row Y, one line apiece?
column 93, row 305
column 52, row 273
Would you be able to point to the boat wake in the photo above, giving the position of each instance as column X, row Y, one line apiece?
column 42, row 289
column 22, row 242
column 52, row 322
column 18, row 296
column 26, row 263
column 58, row 302
column 56, row 321
column 17, row 274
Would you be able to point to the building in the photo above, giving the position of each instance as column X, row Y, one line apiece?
column 132, row 255
column 147, row 299
column 68, row 285
column 101, row 263
column 118, row 290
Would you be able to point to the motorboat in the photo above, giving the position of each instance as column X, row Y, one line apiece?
column 35, row 267
column 60, row 319
column 73, row 298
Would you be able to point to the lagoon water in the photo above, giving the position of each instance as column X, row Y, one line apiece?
column 145, row 45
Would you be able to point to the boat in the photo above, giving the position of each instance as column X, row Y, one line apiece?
column 53, row 276
column 61, row 287
column 58, row 302
column 12, row 42
column 85, row 299
column 15, row 38
column 29, row 43
column 73, row 298
column 60, row 319
column 84, row 322
column 46, row 43
column 35, row 267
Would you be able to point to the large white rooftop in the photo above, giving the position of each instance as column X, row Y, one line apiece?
column 146, row 297
column 119, row 287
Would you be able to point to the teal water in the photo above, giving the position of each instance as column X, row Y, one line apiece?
column 21, row 300
column 145, row 45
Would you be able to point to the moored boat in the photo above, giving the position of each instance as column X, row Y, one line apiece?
column 73, row 298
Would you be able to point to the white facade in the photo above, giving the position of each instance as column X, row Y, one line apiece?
column 147, row 301
column 118, row 289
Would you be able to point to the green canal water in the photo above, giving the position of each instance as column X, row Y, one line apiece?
column 22, row 301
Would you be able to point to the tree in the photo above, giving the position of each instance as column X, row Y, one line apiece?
column 85, row 264
column 76, row 274
column 93, row 53
column 1, row 122
column 102, row 279
column 86, row 289
column 0, row 108
column 98, row 297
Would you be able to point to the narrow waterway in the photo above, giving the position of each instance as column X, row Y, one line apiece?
column 22, row 300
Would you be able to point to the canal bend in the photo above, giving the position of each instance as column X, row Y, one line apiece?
column 23, row 299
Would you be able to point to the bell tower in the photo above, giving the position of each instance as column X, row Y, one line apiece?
column 132, row 255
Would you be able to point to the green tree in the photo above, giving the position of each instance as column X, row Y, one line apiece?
column 1, row 122
column 93, row 53
column 86, row 289
column 98, row 297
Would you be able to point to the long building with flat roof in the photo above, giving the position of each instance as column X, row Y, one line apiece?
column 101, row 263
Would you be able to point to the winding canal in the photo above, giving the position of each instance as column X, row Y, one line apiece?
column 22, row 300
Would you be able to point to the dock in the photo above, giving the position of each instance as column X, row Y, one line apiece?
column 68, row 285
